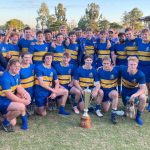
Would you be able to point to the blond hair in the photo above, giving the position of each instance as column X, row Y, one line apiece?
column 133, row 58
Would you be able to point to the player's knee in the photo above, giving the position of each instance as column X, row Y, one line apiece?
column 100, row 92
column 142, row 98
column 114, row 94
column 22, row 107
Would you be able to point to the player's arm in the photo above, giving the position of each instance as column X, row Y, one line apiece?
column 57, row 85
column 142, row 89
column 42, row 84
column 113, row 55
column 77, row 85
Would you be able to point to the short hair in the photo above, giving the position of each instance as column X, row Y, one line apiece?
column 78, row 29
column 62, row 27
column 47, row 31
column 103, row 32
column 26, row 28
column 66, row 54
column 133, row 58
column 145, row 31
column 11, row 62
column 59, row 34
column 89, row 30
column 39, row 32
column 88, row 56
column 128, row 29
column 71, row 33
column 47, row 54
column 121, row 34
column 106, row 58
column 25, row 53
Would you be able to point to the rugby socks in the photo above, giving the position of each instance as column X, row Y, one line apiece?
column 6, row 122
column 98, row 107
column 62, row 111
column 138, row 118
column 24, row 125
column 113, row 116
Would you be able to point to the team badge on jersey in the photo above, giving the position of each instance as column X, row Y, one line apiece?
column 134, row 44
column 134, row 80
column 69, row 71
column 46, row 49
column 91, row 75
column 17, row 81
column 51, row 74
column 147, row 49
column 112, row 76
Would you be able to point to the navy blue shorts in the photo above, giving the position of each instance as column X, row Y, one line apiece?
column 4, row 103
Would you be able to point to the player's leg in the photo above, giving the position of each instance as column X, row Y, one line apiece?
column 141, row 107
column 64, row 96
column 113, row 95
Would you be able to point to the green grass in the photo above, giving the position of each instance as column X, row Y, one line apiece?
column 55, row 132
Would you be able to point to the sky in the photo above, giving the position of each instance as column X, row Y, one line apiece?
column 26, row 10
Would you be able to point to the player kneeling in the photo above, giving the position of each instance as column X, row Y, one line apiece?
column 12, row 105
column 108, row 76
column 133, row 86
column 45, row 76
column 86, row 77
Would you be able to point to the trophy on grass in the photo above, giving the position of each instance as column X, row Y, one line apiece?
column 85, row 118
column 130, row 110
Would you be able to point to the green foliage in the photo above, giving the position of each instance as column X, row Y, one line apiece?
column 104, row 24
column 131, row 19
column 91, row 17
column 115, row 25
column 14, row 23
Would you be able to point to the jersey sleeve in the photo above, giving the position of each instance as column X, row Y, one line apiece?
column 95, row 76
column 38, row 72
column 142, row 78
column 76, row 74
column 54, row 74
column 5, row 84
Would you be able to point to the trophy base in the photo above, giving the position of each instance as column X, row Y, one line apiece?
column 85, row 122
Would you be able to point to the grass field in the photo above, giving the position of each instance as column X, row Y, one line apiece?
column 55, row 132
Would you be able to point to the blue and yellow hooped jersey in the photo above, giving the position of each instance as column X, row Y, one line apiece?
column 4, row 49
column 108, row 79
column 86, row 77
column 27, row 76
column 48, row 74
column 102, row 50
column 14, row 50
column 38, row 51
column 131, row 47
column 131, row 81
column 24, row 44
column 57, row 53
column 88, row 46
column 73, row 49
column 64, row 73
column 119, row 50
column 8, row 82
column 144, row 53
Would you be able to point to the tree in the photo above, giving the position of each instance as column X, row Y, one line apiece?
column 104, row 24
column 115, row 25
column 60, row 13
column 14, row 23
column 43, row 15
column 131, row 19
column 91, row 17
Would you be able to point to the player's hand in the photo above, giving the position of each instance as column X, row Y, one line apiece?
column 94, row 93
column 26, row 101
column 53, row 45
column 108, row 44
column 53, row 91
column 67, row 42
column 8, row 55
column 132, row 98
column 53, row 96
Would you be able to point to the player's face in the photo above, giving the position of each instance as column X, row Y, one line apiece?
column 48, row 36
column 73, row 37
column 88, row 61
column 122, row 38
column 28, row 33
column 27, row 59
column 89, row 34
column 15, row 39
column 106, row 64
column 48, row 60
column 63, row 31
column 1, row 38
column 132, row 65
column 65, row 60
column 110, row 34
column 145, row 36
column 15, row 68
column 60, row 39
column 79, row 33
column 40, row 37
column 103, row 36
column 129, row 35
